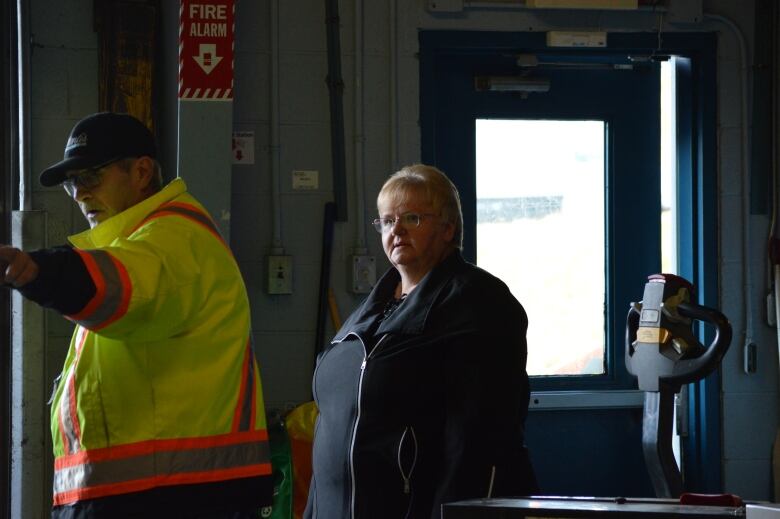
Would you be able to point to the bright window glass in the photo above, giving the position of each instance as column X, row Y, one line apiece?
column 540, row 228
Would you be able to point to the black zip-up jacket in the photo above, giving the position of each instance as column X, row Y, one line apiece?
column 425, row 406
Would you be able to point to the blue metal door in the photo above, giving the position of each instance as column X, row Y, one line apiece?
column 590, row 444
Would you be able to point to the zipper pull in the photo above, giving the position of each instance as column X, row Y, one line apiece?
column 363, row 365
column 406, row 486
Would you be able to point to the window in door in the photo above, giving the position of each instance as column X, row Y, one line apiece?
column 542, row 181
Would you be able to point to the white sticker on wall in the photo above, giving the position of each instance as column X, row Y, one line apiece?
column 305, row 179
column 243, row 147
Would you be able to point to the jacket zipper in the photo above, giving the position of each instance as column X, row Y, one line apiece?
column 407, row 477
column 366, row 356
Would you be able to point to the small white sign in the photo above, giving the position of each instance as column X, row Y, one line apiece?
column 305, row 179
column 243, row 147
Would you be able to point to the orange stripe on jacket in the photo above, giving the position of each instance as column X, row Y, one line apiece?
column 81, row 338
column 252, row 418
column 127, row 290
column 100, row 287
column 242, row 389
column 100, row 290
column 161, row 211
column 149, row 446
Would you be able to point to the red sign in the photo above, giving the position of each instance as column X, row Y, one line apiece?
column 206, row 36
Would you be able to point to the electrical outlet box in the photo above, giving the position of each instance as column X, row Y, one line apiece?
column 280, row 274
column 363, row 274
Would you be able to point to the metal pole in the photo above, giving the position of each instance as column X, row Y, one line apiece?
column 336, row 88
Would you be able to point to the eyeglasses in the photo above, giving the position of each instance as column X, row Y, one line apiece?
column 407, row 221
column 84, row 179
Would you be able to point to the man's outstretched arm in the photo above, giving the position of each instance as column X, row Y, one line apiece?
column 54, row 278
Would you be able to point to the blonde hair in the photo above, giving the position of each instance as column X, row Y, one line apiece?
column 421, row 180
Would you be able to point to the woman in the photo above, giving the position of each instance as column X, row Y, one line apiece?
column 423, row 392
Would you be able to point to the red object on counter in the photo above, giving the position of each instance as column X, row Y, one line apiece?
column 711, row 499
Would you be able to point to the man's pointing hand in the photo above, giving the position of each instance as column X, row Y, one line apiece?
column 17, row 268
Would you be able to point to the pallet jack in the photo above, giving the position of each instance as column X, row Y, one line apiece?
column 663, row 352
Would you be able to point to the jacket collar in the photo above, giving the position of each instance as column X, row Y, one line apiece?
column 120, row 225
column 409, row 318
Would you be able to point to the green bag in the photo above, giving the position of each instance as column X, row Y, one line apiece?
column 281, row 462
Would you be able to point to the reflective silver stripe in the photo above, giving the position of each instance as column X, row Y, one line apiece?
column 245, row 423
column 166, row 463
column 114, row 290
column 68, row 428
column 194, row 214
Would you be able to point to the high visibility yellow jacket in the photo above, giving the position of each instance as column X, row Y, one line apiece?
column 160, row 386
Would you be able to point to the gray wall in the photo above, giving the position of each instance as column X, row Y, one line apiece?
column 64, row 88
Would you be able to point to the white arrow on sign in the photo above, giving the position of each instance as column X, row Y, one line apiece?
column 208, row 58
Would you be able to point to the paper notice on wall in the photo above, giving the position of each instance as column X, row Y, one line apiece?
column 243, row 147
column 305, row 179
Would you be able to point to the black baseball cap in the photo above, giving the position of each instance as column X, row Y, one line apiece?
column 100, row 139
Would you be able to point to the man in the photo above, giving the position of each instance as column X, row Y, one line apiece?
column 158, row 411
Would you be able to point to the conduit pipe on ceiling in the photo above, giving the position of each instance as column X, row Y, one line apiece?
column 747, row 296
column 276, row 209
column 576, row 6
column 360, row 226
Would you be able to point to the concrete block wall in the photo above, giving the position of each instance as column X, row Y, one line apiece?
column 64, row 88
